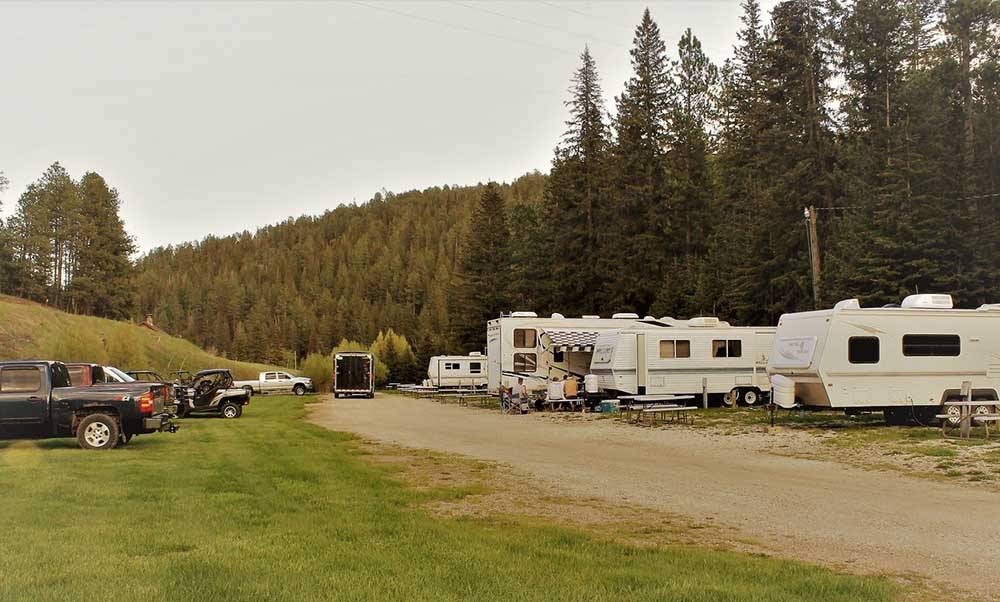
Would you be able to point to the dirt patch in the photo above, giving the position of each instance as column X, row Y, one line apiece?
column 862, row 521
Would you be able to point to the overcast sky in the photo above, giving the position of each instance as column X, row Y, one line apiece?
column 215, row 118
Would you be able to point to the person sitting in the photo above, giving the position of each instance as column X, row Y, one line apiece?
column 555, row 390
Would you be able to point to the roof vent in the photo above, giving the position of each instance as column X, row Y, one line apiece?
column 523, row 314
column 847, row 304
column 927, row 302
column 556, row 316
column 650, row 318
column 704, row 321
column 989, row 307
column 625, row 316
column 591, row 317
column 475, row 354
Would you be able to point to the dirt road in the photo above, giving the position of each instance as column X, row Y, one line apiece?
column 869, row 521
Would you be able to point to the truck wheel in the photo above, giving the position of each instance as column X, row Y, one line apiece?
column 299, row 390
column 231, row 410
column 123, row 439
column 97, row 431
column 749, row 397
column 249, row 390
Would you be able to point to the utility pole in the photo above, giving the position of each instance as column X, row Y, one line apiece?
column 813, row 236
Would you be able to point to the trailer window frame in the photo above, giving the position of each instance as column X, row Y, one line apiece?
column 724, row 348
column 522, row 361
column 678, row 349
column 523, row 335
column 856, row 355
column 932, row 345
column 475, row 367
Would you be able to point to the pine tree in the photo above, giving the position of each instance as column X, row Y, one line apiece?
column 576, row 199
column 636, row 251
column 480, row 291
column 102, row 252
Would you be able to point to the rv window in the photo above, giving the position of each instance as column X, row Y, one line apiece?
column 673, row 349
column 949, row 345
column 732, row 348
column 476, row 367
column 862, row 350
column 525, row 362
column 20, row 380
column 559, row 356
column 524, row 338
column 451, row 365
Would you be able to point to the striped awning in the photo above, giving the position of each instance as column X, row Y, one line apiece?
column 565, row 339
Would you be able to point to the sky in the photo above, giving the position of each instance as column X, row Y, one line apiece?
column 214, row 118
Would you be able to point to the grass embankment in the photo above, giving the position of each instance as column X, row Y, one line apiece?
column 269, row 507
column 32, row 331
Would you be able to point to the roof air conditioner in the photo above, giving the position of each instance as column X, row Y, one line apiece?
column 625, row 316
column 591, row 317
column 989, row 307
column 847, row 304
column 523, row 314
column 704, row 321
column 927, row 302
column 475, row 354
column 556, row 316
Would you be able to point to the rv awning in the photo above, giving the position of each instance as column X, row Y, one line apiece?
column 564, row 339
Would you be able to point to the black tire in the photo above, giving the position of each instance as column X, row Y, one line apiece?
column 249, row 390
column 124, row 438
column 370, row 396
column 732, row 398
column 98, row 431
column 299, row 390
column 230, row 410
column 749, row 397
column 336, row 395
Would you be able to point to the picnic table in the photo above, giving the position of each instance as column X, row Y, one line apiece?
column 561, row 403
column 966, row 417
column 655, row 407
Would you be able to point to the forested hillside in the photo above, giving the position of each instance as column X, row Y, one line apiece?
column 306, row 284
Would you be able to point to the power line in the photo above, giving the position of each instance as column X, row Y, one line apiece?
column 569, row 10
column 534, row 23
column 461, row 27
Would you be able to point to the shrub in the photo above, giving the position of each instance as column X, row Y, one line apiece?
column 319, row 368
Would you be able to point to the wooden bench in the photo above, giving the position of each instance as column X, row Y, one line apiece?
column 983, row 419
column 554, row 404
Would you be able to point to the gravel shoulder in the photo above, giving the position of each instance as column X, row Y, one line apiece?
column 866, row 521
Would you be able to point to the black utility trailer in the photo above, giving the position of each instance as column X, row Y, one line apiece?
column 353, row 374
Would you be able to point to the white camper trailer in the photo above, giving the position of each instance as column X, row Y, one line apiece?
column 523, row 345
column 702, row 354
column 906, row 361
column 459, row 371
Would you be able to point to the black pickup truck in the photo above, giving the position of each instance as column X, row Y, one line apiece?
column 37, row 401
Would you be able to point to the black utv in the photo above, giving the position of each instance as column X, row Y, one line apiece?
column 211, row 392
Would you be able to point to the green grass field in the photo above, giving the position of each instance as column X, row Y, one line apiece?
column 32, row 331
column 268, row 507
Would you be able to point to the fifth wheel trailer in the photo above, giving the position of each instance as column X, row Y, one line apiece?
column 905, row 361
column 704, row 355
column 523, row 345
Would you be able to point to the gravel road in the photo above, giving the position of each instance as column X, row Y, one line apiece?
column 867, row 521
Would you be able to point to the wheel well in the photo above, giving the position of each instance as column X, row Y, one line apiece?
column 82, row 413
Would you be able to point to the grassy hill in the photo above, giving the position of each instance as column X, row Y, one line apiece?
column 29, row 330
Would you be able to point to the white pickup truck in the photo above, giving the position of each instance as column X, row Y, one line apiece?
column 276, row 382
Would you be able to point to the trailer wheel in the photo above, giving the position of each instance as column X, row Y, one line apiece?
column 97, row 431
column 954, row 413
column 986, row 408
column 750, row 396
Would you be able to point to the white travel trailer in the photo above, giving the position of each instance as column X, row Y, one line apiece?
column 537, row 349
column 906, row 361
column 459, row 371
column 701, row 354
